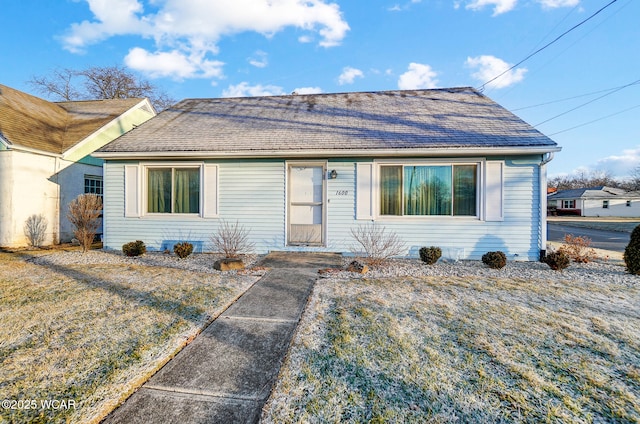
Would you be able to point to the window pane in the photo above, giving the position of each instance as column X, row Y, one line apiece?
column 390, row 190
column 187, row 190
column 427, row 190
column 464, row 190
column 159, row 191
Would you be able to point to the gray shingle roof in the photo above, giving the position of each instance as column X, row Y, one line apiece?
column 600, row 192
column 343, row 122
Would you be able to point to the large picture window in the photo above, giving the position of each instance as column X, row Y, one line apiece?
column 173, row 190
column 425, row 190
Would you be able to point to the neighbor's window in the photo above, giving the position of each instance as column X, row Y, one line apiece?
column 568, row 204
column 423, row 190
column 173, row 190
column 93, row 185
column 605, row 204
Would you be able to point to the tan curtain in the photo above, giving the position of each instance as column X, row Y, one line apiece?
column 390, row 190
column 464, row 189
column 159, row 191
column 187, row 190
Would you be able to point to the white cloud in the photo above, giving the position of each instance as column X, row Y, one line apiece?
column 553, row 4
column 621, row 165
column 194, row 27
column 245, row 90
column 488, row 67
column 349, row 75
column 418, row 76
column 172, row 64
column 259, row 59
column 499, row 6
column 308, row 90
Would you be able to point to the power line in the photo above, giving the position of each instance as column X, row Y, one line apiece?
column 573, row 97
column 595, row 120
column 481, row 88
column 586, row 103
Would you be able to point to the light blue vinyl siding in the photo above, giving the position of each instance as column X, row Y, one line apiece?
column 253, row 192
column 518, row 235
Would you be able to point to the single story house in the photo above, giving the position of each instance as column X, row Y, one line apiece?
column 595, row 201
column 44, row 157
column 441, row 167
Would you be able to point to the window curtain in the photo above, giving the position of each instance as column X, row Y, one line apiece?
column 464, row 189
column 159, row 197
column 187, row 191
column 427, row 190
column 390, row 190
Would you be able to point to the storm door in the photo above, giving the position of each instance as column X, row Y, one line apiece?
column 306, row 205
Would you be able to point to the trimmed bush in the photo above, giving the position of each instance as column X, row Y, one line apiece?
column 632, row 252
column 134, row 248
column 182, row 250
column 430, row 255
column 557, row 261
column 495, row 260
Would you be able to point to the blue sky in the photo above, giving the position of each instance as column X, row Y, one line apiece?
column 215, row 48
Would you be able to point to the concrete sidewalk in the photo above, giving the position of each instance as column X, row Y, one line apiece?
column 225, row 375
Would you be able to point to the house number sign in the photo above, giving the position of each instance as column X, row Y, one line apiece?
column 342, row 192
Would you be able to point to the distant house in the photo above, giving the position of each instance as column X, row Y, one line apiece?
column 44, row 156
column 595, row 201
column 445, row 167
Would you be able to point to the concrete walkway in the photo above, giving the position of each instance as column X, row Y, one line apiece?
column 226, row 374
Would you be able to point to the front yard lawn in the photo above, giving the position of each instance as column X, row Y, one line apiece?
column 75, row 340
column 464, row 349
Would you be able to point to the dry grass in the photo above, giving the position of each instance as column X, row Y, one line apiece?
column 464, row 349
column 92, row 334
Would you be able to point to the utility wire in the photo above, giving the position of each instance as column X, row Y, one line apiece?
column 481, row 88
column 586, row 103
column 595, row 120
column 565, row 99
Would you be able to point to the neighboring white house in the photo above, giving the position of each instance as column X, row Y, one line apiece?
column 596, row 201
column 44, row 156
column 445, row 167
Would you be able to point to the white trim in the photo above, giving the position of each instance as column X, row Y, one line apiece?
column 493, row 185
column 132, row 199
column 107, row 126
column 210, row 173
column 365, row 177
column 342, row 153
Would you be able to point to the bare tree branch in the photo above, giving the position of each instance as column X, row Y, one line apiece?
column 99, row 82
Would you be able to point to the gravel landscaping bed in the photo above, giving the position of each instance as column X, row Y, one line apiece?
column 600, row 270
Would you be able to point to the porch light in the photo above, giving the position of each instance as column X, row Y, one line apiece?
column 333, row 174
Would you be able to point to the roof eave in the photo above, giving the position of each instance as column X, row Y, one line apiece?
column 398, row 152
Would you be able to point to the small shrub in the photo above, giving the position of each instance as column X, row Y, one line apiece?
column 35, row 228
column 557, row 261
column 378, row 244
column 231, row 240
column 577, row 249
column 631, row 254
column 183, row 249
column 134, row 248
column 430, row 255
column 84, row 214
column 495, row 260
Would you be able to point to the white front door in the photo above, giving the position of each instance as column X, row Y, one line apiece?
column 306, row 205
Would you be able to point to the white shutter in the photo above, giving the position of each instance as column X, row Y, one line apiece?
column 364, row 191
column 131, row 191
column 494, row 191
column 210, row 191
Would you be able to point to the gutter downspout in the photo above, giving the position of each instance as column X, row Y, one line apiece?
column 542, row 169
